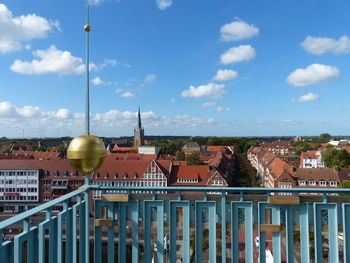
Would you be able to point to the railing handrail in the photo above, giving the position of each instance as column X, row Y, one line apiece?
column 222, row 189
column 24, row 215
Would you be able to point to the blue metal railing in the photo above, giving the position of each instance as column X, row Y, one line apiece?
column 170, row 224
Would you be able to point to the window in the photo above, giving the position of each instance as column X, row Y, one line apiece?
column 301, row 182
column 312, row 183
column 323, row 183
column 333, row 183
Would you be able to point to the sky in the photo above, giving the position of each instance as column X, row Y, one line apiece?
column 194, row 67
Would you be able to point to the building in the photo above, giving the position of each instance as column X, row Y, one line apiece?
column 25, row 184
column 317, row 177
column 311, row 159
column 190, row 147
column 19, row 188
column 148, row 149
column 139, row 132
column 275, row 172
column 279, row 148
column 196, row 175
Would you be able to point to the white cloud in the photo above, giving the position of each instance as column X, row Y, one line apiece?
column 220, row 109
column 51, row 60
column 94, row 2
column 172, row 100
column 7, row 109
column 208, row 104
column 322, row 45
column 238, row 54
column 211, row 90
column 185, row 121
column 118, row 90
column 150, row 78
column 225, row 74
column 307, row 97
column 29, row 111
column 33, row 119
column 293, row 122
column 163, row 4
column 98, row 81
column 238, row 30
column 313, row 74
column 63, row 114
column 14, row 30
column 128, row 94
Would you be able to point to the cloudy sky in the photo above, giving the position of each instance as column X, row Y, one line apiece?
column 225, row 68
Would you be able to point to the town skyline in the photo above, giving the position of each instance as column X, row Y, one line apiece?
column 235, row 74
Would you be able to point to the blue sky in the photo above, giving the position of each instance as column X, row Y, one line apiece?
column 225, row 68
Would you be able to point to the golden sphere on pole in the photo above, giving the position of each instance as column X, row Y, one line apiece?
column 86, row 153
column 87, row 28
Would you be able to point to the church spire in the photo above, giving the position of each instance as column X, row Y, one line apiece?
column 138, row 132
column 139, row 126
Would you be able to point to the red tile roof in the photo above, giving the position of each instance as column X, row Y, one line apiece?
column 317, row 174
column 38, row 155
column 311, row 154
column 123, row 149
column 278, row 166
column 196, row 172
column 219, row 148
column 124, row 169
column 130, row 156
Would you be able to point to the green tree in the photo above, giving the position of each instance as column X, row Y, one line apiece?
column 193, row 159
column 60, row 147
column 336, row 158
column 181, row 156
column 324, row 137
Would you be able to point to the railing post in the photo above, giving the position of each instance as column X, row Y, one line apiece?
column 223, row 226
column 87, row 221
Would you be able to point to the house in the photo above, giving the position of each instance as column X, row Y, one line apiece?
column 311, row 159
column 190, row 147
column 196, row 175
column 317, row 177
column 279, row 148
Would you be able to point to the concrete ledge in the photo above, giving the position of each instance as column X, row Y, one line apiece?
column 270, row 228
column 284, row 200
column 103, row 222
column 115, row 197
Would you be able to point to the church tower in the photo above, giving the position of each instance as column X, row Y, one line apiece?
column 139, row 132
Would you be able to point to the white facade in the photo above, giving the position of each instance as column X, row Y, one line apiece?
column 149, row 149
column 312, row 162
column 18, row 189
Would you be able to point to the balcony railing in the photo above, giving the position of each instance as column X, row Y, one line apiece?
column 176, row 224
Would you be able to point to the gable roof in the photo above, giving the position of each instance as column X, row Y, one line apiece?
column 317, row 174
column 278, row 166
column 311, row 154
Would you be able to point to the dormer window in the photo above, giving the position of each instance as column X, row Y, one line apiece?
column 125, row 175
column 96, row 175
column 115, row 175
column 323, row 183
column 333, row 183
column 312, row 183
column 106, row 175
column 135, row 175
